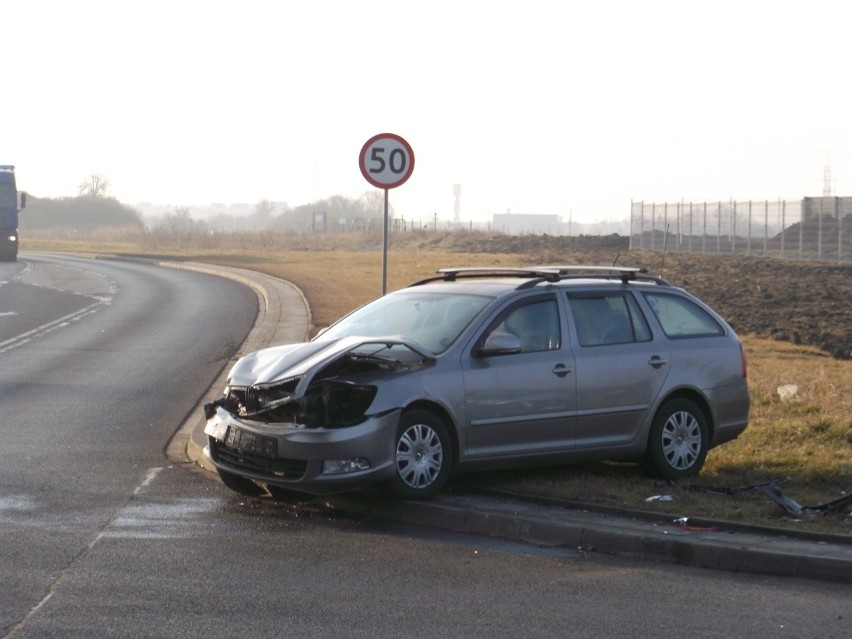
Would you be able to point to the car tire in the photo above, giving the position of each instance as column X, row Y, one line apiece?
column 239, row 484
column 679, row 440
column 423, row 454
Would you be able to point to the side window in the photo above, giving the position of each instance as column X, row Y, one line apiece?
column 608, row 319
column 681, row 317
column 536, row 325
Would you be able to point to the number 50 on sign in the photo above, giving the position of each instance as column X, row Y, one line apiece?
column 386, row 160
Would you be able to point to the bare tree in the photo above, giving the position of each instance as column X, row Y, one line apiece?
column 373, row 202
column 94, row 186
column 180, row 223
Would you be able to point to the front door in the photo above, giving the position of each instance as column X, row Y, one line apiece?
column 522, row 402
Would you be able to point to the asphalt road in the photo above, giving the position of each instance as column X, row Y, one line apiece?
column 99, row 361
column 102, row 536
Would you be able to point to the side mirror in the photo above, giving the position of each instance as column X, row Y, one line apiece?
column 23, row 199
column 500, row 344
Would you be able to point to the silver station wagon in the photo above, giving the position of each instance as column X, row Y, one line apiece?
column 480, row 368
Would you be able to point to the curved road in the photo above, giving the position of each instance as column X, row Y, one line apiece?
column 101, row 536
column 99, row 363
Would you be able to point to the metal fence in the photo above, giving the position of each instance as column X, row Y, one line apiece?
column 813, row 229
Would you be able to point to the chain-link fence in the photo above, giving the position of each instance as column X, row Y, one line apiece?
column 816, row 229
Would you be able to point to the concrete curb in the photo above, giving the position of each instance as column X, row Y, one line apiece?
column 587, row 530
column 283, row 317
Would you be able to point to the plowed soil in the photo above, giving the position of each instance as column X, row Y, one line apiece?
column 800, row 302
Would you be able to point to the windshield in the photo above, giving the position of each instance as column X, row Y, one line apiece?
column 433, row 320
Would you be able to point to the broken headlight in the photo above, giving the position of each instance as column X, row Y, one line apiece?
column 264, row 397
column 327, row 403
column 334, row 403
column 272, row 401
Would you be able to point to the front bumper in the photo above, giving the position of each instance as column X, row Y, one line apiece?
column 293, row 457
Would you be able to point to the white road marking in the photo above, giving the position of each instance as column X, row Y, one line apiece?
column 44, row 329
column 151, row 476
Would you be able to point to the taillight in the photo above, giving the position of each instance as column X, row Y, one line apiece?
column 743, row 360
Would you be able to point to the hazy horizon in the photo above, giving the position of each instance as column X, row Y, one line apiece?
column 571, row 109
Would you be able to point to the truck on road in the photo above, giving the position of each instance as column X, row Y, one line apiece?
column 10, row 204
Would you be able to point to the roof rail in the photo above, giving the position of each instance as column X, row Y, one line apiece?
column 544, row 273
column 627, row 273
column 523, row 271
column 452, row 274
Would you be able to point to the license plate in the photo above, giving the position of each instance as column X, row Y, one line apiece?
column 251, row 444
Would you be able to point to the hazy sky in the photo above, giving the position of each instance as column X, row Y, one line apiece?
column 534, row 107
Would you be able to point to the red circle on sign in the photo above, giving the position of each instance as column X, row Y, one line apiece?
column 386, row 160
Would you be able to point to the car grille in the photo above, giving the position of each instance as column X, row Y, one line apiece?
column 291, row 469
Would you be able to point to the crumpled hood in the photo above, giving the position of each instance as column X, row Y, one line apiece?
column 302, row 359
column 281, row 362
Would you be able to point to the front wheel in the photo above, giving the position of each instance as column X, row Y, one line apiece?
column 679, row 440
column 423, row 456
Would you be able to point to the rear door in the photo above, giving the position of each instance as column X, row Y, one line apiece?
column 522, row 403
column 620, row 366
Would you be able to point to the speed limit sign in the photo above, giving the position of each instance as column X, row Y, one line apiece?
column 386, row 160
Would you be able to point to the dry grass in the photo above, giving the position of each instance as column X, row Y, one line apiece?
column 806, row 443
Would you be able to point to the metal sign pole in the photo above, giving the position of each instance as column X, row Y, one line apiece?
column 385, row 249
column 386, row 161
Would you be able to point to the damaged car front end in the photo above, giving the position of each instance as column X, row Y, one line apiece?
column 319, row 417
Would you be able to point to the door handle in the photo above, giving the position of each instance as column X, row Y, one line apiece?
column 657, row 362
column 560, row 370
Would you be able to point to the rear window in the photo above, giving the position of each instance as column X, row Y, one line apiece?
column 681, row 317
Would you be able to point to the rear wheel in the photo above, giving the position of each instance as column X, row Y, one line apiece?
column 679, row 440
column 423, row 456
